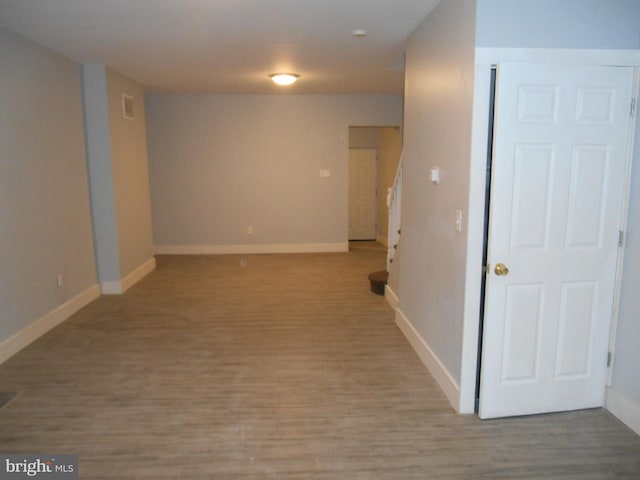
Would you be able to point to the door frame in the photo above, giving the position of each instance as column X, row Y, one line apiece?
column 385, row 169
column 486, row 59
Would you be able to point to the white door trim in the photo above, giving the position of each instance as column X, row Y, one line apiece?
column 624, row 228
column 618, row 58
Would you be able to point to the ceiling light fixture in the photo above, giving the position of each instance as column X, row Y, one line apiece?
column 359, row 33
column 284, row 78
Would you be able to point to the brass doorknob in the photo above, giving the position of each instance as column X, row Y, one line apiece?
column 501, row 269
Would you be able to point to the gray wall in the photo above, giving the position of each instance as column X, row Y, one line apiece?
column 364, row 137
column 130, row 174
column 119, row 178
column 221, row 163
column 437, row 132
column 559, row 23
column 96, row 107
column 44, row 200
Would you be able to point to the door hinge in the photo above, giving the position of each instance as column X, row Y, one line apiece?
column 609, row 359
column 620, row 238
column 632, row 112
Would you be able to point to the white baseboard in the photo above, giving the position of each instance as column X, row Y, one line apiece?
column 111, row 288
column 430, row 360
column 35, row 330
column 121, row 286
column 251, row 248
column 138, row 274
column 383, row 240
column 627, row 411
column 392, row 298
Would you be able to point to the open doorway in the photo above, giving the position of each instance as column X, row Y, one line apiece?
column 383, row 145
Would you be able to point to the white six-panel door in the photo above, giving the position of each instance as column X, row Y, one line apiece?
column 363, row 172
column 557, row 195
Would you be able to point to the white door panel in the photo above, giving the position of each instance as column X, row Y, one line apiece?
column 362, row 193
column 559, row 168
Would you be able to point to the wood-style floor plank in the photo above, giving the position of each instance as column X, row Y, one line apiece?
column 272, row 366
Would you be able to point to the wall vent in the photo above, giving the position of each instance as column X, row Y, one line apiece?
column 127, row 107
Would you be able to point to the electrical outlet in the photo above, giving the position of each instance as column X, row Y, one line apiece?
column 250, row 230
column 458, row 220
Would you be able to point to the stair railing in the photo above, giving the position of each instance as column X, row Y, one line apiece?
column 394, row 199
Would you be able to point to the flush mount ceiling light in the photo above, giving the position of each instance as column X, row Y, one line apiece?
column 284, row 78
column 359, row 33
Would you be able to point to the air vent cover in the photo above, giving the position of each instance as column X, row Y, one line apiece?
column 127, row 107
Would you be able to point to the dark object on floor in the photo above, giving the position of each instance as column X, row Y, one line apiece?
column 378, row 280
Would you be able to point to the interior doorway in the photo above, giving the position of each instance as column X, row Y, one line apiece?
column 386, row 142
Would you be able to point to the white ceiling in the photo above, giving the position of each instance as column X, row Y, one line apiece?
column 229, row 46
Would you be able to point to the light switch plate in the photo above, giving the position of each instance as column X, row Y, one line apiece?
column 435, row 175
column 325, row 172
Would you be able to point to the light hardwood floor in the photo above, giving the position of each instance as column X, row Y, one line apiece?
column 272, row 366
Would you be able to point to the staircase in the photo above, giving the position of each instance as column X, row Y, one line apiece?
column 378, row 280
column 394, row 199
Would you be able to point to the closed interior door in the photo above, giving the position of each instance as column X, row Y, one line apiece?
column 557, row 193
column 362, row 193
